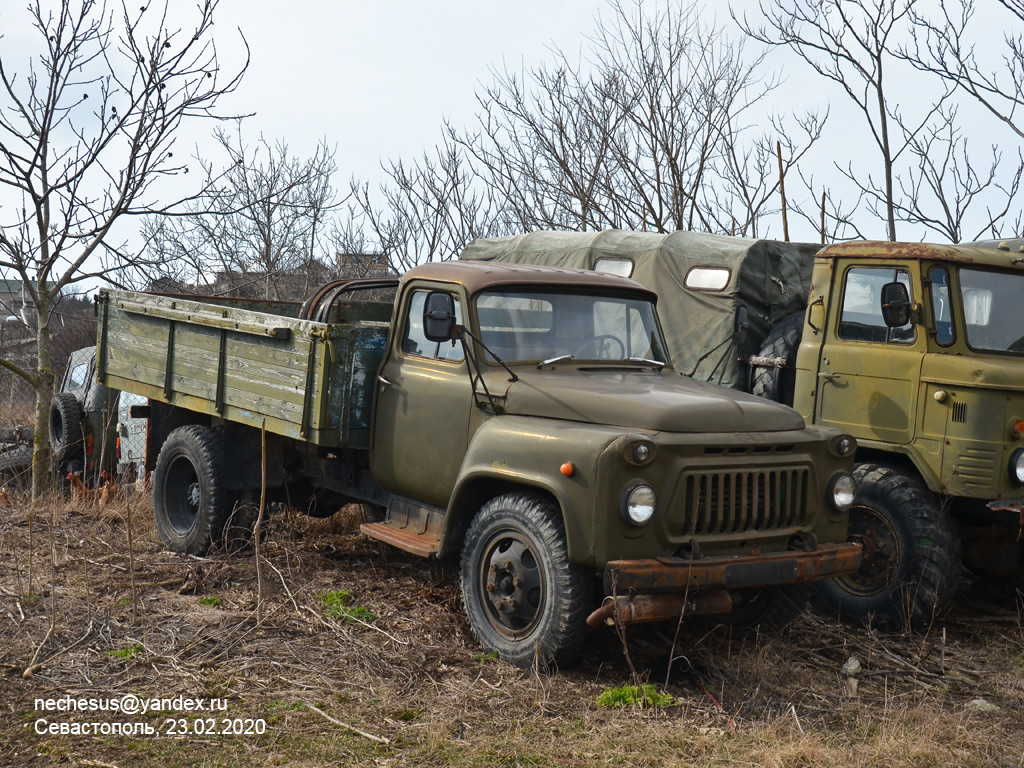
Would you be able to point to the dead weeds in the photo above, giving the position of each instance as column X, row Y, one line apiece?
column 400, row 681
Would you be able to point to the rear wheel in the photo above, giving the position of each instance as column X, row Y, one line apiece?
column 522, row 596
column 911, row 553
column 189, row 500
column 65, row 428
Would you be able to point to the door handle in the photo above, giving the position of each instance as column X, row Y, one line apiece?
column 831, row 378
column 383, row 383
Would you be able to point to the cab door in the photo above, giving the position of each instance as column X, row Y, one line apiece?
column 422, row 409
column 868, row 375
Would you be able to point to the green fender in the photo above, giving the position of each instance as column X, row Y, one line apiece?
column 517, row 453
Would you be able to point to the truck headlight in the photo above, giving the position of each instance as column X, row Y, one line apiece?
column 1017, row 466
column 638, row 504
column 841, row 490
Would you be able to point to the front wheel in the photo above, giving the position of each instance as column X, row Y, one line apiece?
column 189, row 500
column 522, row 596
column 911, row 553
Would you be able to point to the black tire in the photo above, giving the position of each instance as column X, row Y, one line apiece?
column 190, row 503
column 769, row 610
column 15, row 464
column 782, row 341
column 912, row 554
column 66, row 436
column 522, row 596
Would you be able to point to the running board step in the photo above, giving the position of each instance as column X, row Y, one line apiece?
column 422, row 544
column 410, row 525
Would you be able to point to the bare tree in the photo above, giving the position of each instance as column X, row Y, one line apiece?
column 430, row 210
column 852, row 43
column 653, row 130
column 87, row 128
column 943, row 185
column 259, row 226
column 943, row 45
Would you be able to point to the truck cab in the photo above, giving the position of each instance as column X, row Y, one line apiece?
column 935, row 391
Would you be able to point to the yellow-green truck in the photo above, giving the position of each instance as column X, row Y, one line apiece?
column 917, row 350
column 527, row 420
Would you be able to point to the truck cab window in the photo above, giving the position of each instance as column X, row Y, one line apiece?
column 77, row 376
column 414, row 342
column 945, row 334
column 993, row 310
column 861, row 318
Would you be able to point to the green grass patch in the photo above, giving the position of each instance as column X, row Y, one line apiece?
column 126, row 653
column 483, row 658
column 337, row 605
column 630, row 695
column 212, row 602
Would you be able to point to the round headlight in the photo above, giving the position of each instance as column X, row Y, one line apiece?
column 638, row 506
column 1017, row 466
column 842, row 489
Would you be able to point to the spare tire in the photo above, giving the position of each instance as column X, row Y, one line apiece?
column 778, row 382
column 65, row 427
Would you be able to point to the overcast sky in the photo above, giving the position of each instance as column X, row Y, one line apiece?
column 378, row 78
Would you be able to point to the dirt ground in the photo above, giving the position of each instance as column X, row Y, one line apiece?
column 358, row 655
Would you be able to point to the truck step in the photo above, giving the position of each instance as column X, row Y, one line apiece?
column 422, row 544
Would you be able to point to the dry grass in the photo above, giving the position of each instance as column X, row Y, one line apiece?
column 412, row 688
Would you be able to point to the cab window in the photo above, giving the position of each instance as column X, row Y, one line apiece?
column 414, row 342
column 941, row 308
column 77, row 376
column 861, row 318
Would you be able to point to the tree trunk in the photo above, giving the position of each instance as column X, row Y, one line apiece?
column 44, row 394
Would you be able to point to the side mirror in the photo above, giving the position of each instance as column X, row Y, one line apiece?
column 439, row 316
column 895, row 305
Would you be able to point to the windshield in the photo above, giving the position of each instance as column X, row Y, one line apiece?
column 993, row 310
column 541, row 325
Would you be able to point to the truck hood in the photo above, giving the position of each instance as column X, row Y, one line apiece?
column 665, row 401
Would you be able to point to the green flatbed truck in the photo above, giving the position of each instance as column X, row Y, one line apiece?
column 526, row 419
column 915, row 349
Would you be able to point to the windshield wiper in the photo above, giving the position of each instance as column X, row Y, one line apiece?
column 647, row 361
column 551, row 360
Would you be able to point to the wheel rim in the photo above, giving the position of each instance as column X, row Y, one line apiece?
column 512, row 583
column 183, row 495
column 881, row 542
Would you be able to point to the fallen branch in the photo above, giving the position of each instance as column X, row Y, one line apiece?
column 346, row 726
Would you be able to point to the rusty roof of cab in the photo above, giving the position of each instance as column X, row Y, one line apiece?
column 962, row 254
column 476, row 276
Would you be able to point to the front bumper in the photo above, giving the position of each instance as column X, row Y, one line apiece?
column 670, row 587
column 678, row 574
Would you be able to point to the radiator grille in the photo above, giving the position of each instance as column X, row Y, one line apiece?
column 731, row 502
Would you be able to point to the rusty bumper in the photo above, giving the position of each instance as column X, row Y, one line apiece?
column 677, row 574
column 674, row 587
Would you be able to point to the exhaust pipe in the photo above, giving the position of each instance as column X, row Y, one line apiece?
column 645, row 608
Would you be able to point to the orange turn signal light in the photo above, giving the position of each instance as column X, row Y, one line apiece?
column 567, row 469
column 1017, row 429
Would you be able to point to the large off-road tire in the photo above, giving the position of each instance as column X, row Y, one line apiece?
column 190, row 502
column 522, row 596
column 912, row 554
column 65, row 428
column 781, row 343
